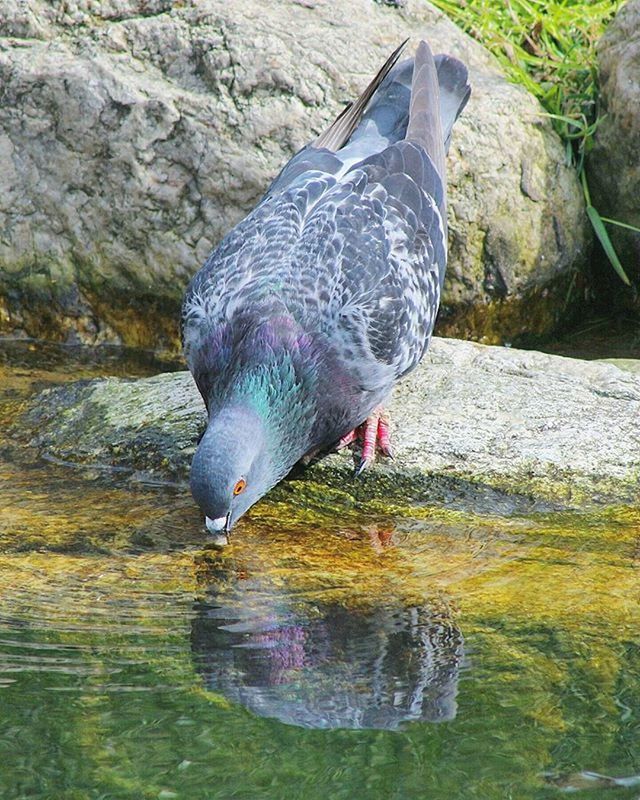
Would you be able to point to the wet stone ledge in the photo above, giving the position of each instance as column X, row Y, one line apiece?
column 474, row 427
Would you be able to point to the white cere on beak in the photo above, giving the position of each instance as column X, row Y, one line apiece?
column 217, row 530
column 215, row 525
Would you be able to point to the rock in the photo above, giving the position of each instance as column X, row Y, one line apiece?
column 487, row 426
column 627, row 364
column 614, row 163
column 134, row 134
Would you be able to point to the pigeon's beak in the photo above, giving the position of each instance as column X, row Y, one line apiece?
column 219, row 528
column 216, row 525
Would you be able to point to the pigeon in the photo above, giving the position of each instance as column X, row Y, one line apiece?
column 309, row 311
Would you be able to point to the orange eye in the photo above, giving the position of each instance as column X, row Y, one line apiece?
column 239, row 487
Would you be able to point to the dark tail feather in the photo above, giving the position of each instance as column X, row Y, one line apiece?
column 341, row 129
column 453, row 80
column 425, row 125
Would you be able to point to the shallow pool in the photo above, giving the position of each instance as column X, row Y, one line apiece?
column 430, row 654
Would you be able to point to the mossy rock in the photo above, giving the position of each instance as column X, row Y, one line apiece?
column 475, row 428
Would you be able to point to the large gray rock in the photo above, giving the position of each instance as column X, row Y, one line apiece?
column 614, row 163
column 472, row 424
column 134, row 134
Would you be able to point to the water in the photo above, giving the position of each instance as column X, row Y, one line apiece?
column 432, row 655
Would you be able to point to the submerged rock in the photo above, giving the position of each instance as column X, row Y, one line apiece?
column 491, row 425
column 614, row 163
column 134, row 134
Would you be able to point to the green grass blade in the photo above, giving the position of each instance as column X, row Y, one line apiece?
column 549, row 48
column 576, row 123
column 620, row 224
column 585, row 188
column 605, row 241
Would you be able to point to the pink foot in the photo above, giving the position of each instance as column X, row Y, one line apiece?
column 374, row 435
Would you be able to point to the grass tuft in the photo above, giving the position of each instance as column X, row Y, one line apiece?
column 550, row 49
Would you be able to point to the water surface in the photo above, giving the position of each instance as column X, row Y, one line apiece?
column 430, row 654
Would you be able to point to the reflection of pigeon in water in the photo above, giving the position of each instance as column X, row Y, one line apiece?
column 328, row 666
column 308, row 312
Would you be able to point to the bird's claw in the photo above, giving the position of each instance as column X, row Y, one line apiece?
column 374, row 434
column 347, row 439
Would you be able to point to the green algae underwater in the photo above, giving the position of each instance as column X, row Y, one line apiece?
column 325, row 653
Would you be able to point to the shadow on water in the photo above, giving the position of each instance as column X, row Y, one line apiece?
column 326, row 665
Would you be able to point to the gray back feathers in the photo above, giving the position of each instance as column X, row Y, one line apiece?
column 339, row 132
column 425, row 127
column 454, row 90
column 418, row 99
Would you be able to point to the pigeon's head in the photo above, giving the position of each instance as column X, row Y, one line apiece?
column 231, row 469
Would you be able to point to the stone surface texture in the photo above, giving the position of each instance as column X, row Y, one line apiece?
column 472, row 421
column 614, row 163
column 134, row 134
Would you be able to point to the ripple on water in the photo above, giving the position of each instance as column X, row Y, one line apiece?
column 93, row 618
